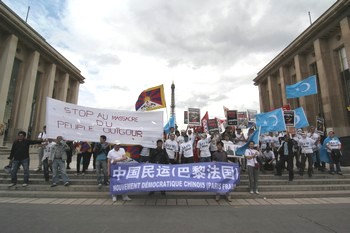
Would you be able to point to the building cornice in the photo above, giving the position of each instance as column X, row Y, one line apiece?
column 27, row 35
column 335, row 11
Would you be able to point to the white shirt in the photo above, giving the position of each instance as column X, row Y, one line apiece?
column 276, row 141
column 203, row 146
column 240, row 139
column 316, row 137
column 42, row 136
column 191, row 138
column 333, row 144
column 180, row 139
column 171, row 148
column 250, row 152
column 187, row 149
column 269, row 155
column 306, row 145
column 145, row 152
column 47, row 150
column 114, row 155
column 229, row 146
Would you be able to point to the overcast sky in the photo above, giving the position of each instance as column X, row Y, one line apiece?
column 211, row 49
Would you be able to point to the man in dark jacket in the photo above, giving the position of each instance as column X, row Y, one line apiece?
column 159, row 155
column 286, row 155
column 20, row 156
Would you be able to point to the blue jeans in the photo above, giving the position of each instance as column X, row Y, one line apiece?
column 101, row 164
column 59, row 164
column 15, row 166
column 205, row 159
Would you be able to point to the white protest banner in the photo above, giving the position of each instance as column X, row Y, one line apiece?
column 74, row 122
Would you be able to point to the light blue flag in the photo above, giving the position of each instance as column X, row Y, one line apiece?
column 253, row 137
column 171, row 123
column 305, row 87
column 271, row 121
column 300, row 120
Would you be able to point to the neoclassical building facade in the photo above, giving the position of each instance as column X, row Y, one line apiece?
column 30, row 70
column 323, row 50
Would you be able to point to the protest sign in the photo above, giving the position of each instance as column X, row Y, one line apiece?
column 289, row 117
column 232, row 117
column 194, row 116
column 213, row 126
column 74, row 122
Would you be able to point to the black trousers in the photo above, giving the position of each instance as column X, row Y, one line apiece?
column 289, row 159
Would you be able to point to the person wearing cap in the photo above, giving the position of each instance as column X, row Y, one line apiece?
column 117, row 155
column 333, row 146
column 306, row 144
column 180, row 139
column 203, row 151
column 186, row 150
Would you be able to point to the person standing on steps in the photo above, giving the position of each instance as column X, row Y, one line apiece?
column 57, row 160
column 42, row 137
column 117, row 155
column 101, row 150
column 19, row 155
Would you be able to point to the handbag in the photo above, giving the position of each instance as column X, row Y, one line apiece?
column 257, row 165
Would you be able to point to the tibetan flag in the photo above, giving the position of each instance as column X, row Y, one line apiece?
column 253, row 137
column 132, row 151
column 151, row 99
column 300, row 120
column 271, row 121
column 305, row 87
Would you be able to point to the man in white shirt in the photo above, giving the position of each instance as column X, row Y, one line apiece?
column 180, row 139
column 186, row 150
column 306, row 145
column 316, row 137
column 41, row 136
column 117, row 155
column 203, row 148
column 172, row 148
column 191, row 136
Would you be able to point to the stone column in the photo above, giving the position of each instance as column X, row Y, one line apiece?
column 283, row 76
column 270, row 89
column 63, row 84
column 329, row 81
column 261, row 97
column 301, row 73
column 26, row 95
column 75, row 92
column 7, row 57
column 47, row 84
column 345, row 34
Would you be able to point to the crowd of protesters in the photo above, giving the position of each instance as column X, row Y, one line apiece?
column 276, row 152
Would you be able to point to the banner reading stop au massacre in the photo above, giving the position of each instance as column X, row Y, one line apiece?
column 74, row 122
column 144, row 177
